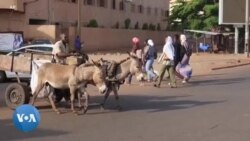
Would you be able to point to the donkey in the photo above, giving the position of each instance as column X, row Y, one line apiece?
column 69, row 77
column 131, row 65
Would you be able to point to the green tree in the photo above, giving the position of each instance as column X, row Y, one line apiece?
column 92, row 23
column 152, row 27
column 194, row 14
column 127, row 23
column 145, row 26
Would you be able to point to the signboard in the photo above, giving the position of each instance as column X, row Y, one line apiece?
column 10, row 41
column 232, row 12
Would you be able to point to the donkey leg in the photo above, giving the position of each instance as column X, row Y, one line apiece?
column 79, row 95
column 72, row 98
column 35, row 94
column 115, row 90
column 105, row 98
column 53, row 103
column 86, row 104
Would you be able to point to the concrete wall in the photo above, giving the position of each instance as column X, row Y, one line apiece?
column 11, row 21
column 99, row 39
column 12, row 4
column 37, row 10
column 108, row 17
column 40, row 31
column 17, row 23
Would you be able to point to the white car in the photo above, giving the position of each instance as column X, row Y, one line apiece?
column 36, row 48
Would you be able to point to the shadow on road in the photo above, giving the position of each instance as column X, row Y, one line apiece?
column 155, row 103
column 9, row 132
column 217, row 82
column 135, row 102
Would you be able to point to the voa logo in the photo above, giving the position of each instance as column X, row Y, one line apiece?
column 26, row 118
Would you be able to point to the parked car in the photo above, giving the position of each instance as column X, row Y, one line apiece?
column 37, row 48
column 41, row 41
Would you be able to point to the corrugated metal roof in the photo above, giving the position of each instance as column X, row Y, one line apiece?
column 210, row 32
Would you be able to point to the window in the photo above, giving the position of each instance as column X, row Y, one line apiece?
column 41, row 49
column 89, row 2
column 140, row 8
column 149, row 10
column 37, row 21
column 162, row 13
column 167, row 13
column 156, row 11
column 113, row 4
column 102, row 3
column 121, row 5
column 133, row 8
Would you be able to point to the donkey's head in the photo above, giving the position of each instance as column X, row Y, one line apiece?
column 99, row 76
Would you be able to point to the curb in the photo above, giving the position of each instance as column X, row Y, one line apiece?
column 232, row 66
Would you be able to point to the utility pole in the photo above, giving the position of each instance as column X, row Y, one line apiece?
column 247, row 29
column 79, row 18
column 236, row 39
column 49, row 12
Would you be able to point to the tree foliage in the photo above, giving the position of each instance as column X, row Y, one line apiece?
column 127, row 23
column 145, row 26
column 92, row 23
column 194, row 14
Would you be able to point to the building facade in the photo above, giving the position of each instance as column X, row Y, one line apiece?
column 107, row 13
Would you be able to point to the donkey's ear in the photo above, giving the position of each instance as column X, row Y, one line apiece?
column 129, row 54
column 95, row 63
column 132, row 55
column 101, row 61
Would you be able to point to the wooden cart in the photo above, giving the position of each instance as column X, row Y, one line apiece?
column 19, row 93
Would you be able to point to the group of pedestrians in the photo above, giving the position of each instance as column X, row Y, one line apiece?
column 174, row 58
column 147, row 54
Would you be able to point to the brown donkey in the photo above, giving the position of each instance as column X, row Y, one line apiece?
column 69, row 77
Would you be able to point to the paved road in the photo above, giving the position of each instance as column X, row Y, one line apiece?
column 212, row 107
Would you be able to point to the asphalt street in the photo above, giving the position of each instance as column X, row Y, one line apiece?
column 213, row 107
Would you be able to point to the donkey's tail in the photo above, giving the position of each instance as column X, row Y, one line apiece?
column 34, row 77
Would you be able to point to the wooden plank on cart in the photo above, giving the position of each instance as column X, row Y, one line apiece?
column 20, row 63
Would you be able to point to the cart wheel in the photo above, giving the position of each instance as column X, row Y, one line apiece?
column 16, row 95
column 2, row 76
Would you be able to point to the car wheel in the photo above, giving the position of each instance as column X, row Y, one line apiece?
column 2, row 76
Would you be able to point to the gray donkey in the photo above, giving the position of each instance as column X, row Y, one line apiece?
column 118, row 71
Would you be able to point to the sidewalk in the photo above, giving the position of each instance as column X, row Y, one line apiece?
column 202, row 63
